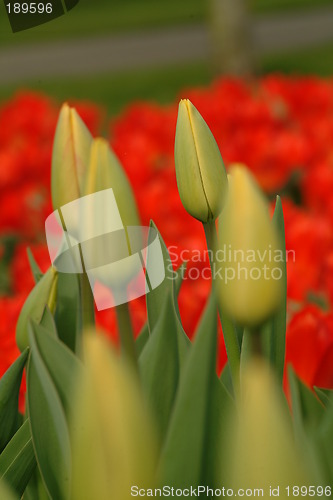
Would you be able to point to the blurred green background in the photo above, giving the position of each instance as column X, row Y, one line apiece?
column 90, row 19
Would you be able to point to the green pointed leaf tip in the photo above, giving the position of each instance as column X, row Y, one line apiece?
column 9, row 393
column 47, row 322
column 44, row 293
column 325, row 396
column 62, row 365
column 35, row 269
column 191, row 455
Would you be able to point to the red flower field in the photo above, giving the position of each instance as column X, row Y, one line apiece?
column 281, row 128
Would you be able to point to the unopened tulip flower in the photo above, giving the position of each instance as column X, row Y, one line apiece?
column 248, row 255
column 113, row 438
column 105, row 171
column 70, row 157
column 261, row 453
column 43, row 294
column 201, row 176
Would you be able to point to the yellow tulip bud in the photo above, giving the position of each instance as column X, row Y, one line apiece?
column 70, row 157
column 113, row 442
column 43, row 294
column 105, row 171
column 201, row 176
column 248, row 256
column 261, row 453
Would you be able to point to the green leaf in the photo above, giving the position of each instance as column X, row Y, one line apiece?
column 10, row 384
column 35, row 269
column 226, row 380
column 325, row 396
column 324, row 442
column 307, row 409
column 41, row 295
column 308, row 418
column 35, row 489
column 17, row 461
column 160, row 366
column 179, row 278
column 191, row 455
column 62, row 365
column 67, row 312
column 47, row 321
column 157, row 297
column 275, row 331
column 49, row 427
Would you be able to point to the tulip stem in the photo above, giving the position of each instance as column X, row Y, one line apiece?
column 87, row 302
column 126, row 334
column 229, row 331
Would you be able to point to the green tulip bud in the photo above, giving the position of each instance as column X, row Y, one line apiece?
column 261, row 452
column 248, row 255
column 43, row 294
column 201, row 176
column 70, row 157
column 114, row 444
column 105, row 171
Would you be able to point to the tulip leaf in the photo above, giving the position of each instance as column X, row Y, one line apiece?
column 313, row 432
column 226, row 380
column 62, row 365
column 156, row 298
column 35, row 489
column 9, row 394
column 35, row 269
column 191, row 454
column 17, row 461
column 160, row 366
column 324, row 442
column 49, row 428
column 42, row 294
column 325, row 396
column 67, row 311
column 180, row 272
column 47, row 321
column 274, row 334
column 308, row 411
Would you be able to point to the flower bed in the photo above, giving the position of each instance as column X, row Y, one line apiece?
column 281, row 128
